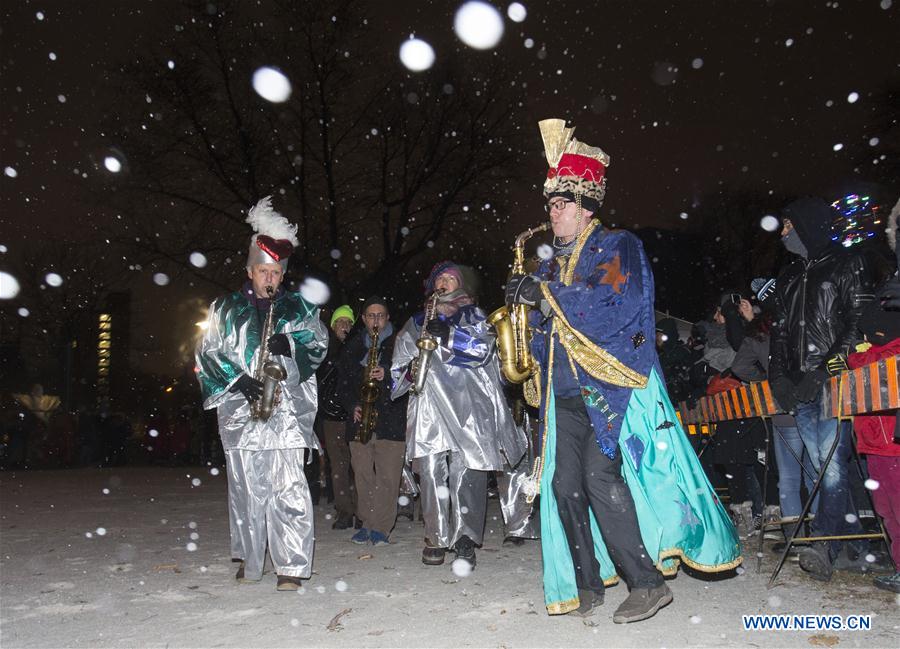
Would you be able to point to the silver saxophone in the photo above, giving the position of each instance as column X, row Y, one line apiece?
column 268, row 371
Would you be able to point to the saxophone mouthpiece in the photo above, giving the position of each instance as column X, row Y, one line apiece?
column 270, row 291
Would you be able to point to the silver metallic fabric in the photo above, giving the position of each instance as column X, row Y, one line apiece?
column 268, row 496
column 269, row 504
column 453, row 498
column 462, row 408
column 230, row 348
column 408, row 486
column 516, row 510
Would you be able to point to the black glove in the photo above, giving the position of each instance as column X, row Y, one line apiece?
column 523, row 289
column 249, row 387
column 439, row 329
column 279, row 345
column 785, row 393
column 810, row 386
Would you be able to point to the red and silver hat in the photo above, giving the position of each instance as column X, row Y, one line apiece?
column 275, row 237
column 575, row 167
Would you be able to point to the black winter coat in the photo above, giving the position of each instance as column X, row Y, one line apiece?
column 817, row 308
column 391, row 424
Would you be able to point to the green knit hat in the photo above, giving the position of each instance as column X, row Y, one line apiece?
column 343, row 311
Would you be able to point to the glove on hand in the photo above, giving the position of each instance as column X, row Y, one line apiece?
column 810, row 385
column 785, row 393
column 279, row 345
column 836, row 364
column 523, row 289
column 439, row 329
column 249, row 387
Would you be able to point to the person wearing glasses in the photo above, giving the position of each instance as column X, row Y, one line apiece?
column 459, row 427
column 377, row 463
column 622, row 492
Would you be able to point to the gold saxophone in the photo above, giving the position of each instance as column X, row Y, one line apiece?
column 270, row 372
column 371, row 390
column 511, row 323
column 426, row 344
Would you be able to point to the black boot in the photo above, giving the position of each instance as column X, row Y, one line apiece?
column 642, row 603
column 342, row 522
column 433, row 556
column 588, row 600
column 465, row 550
column 816, row 560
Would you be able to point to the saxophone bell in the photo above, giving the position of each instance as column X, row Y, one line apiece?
column 510, row 322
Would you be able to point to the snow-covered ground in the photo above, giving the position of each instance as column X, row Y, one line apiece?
column 138, row 557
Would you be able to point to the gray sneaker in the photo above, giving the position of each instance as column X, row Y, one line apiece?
column 642, row 603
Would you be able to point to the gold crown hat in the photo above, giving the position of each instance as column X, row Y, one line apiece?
column 575, row 167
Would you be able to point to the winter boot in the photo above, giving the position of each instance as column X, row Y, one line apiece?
column 642, row 603
column 433, row 556
column 889, row 583
column 288, row 583
column 589, row 600
column 465, row 550
column 817, row 561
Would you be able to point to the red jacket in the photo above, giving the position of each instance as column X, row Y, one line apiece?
column 875, row 433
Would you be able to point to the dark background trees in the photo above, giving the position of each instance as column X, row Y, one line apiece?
column 375, row 165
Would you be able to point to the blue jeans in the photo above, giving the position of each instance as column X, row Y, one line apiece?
column 835, row 504
column 791, row 475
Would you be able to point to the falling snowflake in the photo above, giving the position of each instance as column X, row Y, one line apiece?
column 769, row 223
column 9, row 171
column 442, row 492
column 112, row 164
column 153, row 432
column 697, row 63
column 191, row 547
column 101, row 531
column 315, row 291
column 872, row 485
column 160, row 279
column 403, row 500
column 461, row 568
column 516, row 12
column 271, row 85
column 197, row 259
column 53, row 279
column 544, row 251
column 196, row 482
column 478, row 25
column 838, row 146
column 340, row 586
column 416, row 55
column 852, row 98
column 9, row 286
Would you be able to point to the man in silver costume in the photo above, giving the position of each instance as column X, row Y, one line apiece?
column 268, row 495
column 459, row 428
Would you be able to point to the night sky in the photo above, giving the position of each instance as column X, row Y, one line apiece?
column 688, row 98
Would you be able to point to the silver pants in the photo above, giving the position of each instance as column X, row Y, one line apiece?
column 516, row 510
column 269, row 501
column 453, row 499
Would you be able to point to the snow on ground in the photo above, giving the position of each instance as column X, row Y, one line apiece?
column 84, row 568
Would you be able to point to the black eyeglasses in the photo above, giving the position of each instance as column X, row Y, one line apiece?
column 556, row 205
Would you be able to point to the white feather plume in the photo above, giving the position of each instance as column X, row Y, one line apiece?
column 265, row 220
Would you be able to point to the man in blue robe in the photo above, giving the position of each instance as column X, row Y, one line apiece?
column 633, row 499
